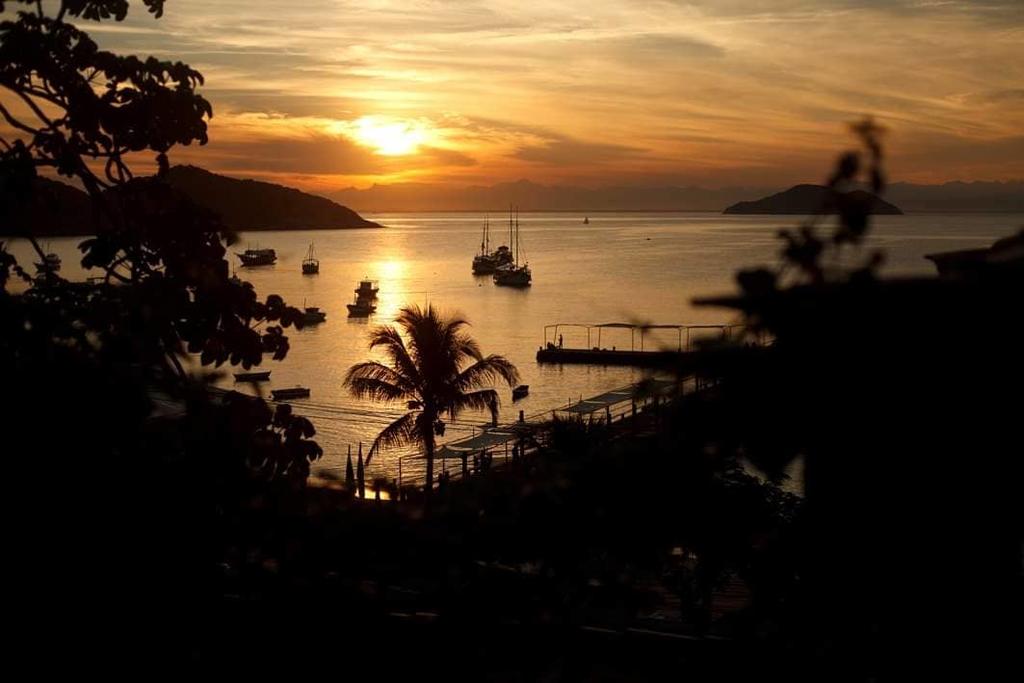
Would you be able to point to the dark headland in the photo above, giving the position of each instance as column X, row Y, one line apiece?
column 808, row 199
column 245, row 205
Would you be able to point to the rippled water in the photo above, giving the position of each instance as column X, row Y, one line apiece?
column 620, row 267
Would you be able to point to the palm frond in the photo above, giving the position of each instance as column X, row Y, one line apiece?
column 485, row 399
column 394, row 347
column 485, row 371
column 403, row 431
column 377, row 381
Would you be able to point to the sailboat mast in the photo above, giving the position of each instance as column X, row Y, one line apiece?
column 517, row 237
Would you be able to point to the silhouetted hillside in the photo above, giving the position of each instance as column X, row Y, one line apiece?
column 59, row 209
column 255, row 205
column 56, row 209
column 808, row 199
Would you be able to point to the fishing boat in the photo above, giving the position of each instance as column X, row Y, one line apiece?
column 310, row 264
column 285, row 394
column 50, row 264
column 252, row 376
column 257, row 257
column 520, row 392
column 512, row 274
column 313, row 316
column 367, row 289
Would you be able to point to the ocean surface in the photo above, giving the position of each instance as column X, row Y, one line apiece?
column 621, row 267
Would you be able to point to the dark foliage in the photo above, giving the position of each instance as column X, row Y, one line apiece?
column 899, row 396
column 136, row 475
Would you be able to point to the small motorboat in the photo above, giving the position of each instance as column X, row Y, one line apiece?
column 521, row 391
column 252, row 376
column 310, row 264
column 313, row 316
column 257, row 257
column 286, row 394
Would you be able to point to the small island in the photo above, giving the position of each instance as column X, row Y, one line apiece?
column 59, row 209
column 809, row 199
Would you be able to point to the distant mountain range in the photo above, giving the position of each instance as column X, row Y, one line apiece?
column 951, row 197
column 808, row 199
column 60, row 209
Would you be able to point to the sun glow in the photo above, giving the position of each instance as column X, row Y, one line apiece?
column 389, row 138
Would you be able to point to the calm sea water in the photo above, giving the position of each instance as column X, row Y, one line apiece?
column 621, row 267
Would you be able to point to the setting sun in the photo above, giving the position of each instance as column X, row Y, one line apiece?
column 390, row 138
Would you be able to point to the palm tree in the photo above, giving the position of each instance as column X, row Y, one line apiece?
column 433, row 366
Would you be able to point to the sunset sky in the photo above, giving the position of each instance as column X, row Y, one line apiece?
column 330, row 93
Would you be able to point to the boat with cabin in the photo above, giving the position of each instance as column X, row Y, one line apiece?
column 366, row 299
column 257, row 257
column 512, row 274
column 362, row 308
column 367, row 289
column 290, row 393
column 310, row 264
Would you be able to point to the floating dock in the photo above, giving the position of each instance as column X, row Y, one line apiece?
column 610, row 357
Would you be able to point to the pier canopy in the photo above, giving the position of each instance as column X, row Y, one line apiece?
column 600, row 402
column 685, row 334
column 609, row 399
column 491, row 438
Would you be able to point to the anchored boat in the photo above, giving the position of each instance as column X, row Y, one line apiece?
column 310, row 264
column 285, row 394
column 313, row 316
column 367, row 289
column 252, row 376
column 512, row 274
column 487, row 261
column 366, row 297
column 257, row 257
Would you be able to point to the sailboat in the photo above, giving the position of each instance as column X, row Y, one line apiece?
column 512, row 274
column 486, row 262
column 310, row 265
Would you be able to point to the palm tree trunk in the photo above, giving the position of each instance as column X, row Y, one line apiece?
column 428, row 448
column 430, row 467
